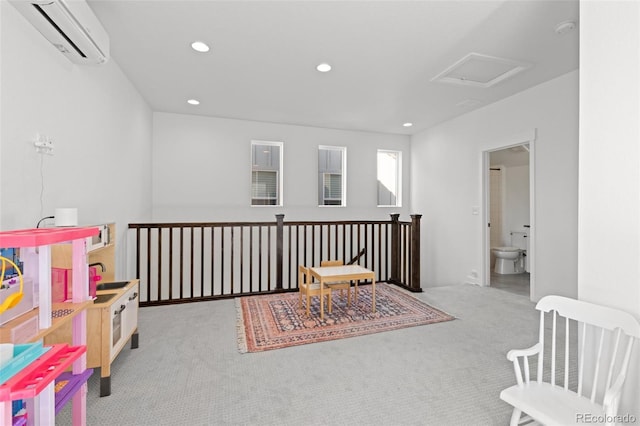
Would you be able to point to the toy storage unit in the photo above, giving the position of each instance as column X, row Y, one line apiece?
column 33, row 378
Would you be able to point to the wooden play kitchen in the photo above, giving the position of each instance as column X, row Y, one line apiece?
column 112, row 319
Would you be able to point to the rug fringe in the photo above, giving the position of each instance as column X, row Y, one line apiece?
column 240, row 332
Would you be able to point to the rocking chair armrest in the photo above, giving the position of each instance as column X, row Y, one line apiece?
column 513, row 354
column 612, row 396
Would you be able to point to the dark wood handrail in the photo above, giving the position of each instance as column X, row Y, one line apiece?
column 191, row 261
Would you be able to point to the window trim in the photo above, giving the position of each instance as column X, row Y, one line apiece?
column 398, row 176
column 343, row 172
column 279, row 172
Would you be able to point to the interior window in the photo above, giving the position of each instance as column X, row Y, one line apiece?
column 266, row 173
column 332, row 176
column 389, row 178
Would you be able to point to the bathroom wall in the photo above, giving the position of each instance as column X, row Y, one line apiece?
column 517, row 198
column 509, row 196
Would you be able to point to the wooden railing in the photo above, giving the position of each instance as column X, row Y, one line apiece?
column 185, row 262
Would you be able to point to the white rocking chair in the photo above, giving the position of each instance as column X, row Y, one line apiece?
column 601, row 332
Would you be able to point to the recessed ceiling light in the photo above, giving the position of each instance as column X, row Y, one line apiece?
column 193, row 102
column 408, row 124
column 324, row 67
column 199, row 46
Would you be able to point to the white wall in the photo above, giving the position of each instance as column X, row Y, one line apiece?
column 202, row 170
column 609, row 242
column 446, row 163
column 100, row 126
column 517, row 198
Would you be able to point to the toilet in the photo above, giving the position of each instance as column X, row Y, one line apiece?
column 511, row 260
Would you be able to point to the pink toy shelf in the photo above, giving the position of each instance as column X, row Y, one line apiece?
column 31, row 380
column 36, row 368
column 43, row 236
column 23, row 355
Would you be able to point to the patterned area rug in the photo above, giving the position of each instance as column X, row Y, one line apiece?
column 277, row 321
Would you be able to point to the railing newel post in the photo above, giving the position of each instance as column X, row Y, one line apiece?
column 279, row 249
column 415, row 252
column 395, row 248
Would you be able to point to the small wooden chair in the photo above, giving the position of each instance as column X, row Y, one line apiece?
column 605, row 339
column 339, row 285
column 309, row 288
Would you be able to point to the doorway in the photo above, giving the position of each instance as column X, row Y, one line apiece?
column 508, row 188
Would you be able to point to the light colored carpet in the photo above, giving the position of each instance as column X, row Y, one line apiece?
column 187, row 370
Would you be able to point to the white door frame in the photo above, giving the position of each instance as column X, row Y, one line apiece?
column 529, row 138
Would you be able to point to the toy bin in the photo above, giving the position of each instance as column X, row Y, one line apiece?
column 61, row 284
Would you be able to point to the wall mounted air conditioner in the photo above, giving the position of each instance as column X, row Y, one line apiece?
column 71, row 26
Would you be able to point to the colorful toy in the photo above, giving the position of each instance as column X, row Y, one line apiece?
column 13, row 299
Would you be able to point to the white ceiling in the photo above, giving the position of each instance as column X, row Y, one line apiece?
column 263, row 56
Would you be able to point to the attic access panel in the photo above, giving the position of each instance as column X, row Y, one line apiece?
column 480, row 70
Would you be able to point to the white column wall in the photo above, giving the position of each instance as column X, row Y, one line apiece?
column 609, row 225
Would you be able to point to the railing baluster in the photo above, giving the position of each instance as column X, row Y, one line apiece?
column 231, row 268
column 260, row 258
column 351, row 239
column 344, row 242
column 290, row 257
column 149, row 263
column 405, row 255
column 159, row 260
column 222, row 261
column 241, row 257
column 387, row 244
column 170, row 263
column 213, row 253
column 313, row 245
column 250, row 258
column 269, row 258
column 191, row 266
column 306, row 228
column 338, row 238
column 328, row 244
column 358, row 236
column 201, row 261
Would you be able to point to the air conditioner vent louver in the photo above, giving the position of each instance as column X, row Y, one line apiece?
column 59, row 46
column 71, row 26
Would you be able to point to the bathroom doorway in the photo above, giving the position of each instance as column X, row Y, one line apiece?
column 508, row 182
